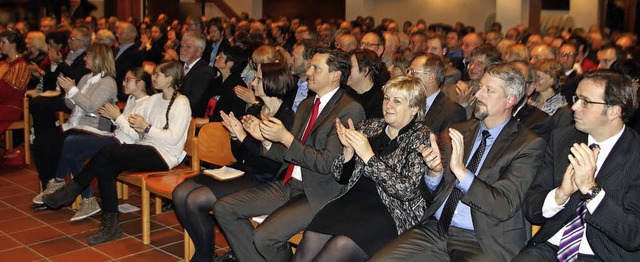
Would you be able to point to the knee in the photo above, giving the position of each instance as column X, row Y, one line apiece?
column 223, row 208
column 179, row 194
column 341, row 243
column 263, row 239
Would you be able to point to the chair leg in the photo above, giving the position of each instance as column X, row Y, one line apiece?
column 146, row 215
column 189, row 249
column 8, row 139
column 76, row 204
column 158, row 205
column 125, row 191
column 119, row 189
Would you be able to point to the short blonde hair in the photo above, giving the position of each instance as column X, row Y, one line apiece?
column 412, row 89
column 38, row 41
column 104, row 36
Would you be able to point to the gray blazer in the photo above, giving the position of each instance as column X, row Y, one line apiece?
column 86, row 104
column 497, row 192
column 315, row 157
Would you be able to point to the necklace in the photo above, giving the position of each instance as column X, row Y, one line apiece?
column 11, row 59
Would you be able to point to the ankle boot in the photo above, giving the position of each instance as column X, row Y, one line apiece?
column 110, row 230
column 62, row 196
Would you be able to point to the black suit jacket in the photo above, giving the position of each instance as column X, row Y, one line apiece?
column 206, row 55
column 614, row 227
column 316, row 155
column 443, row 112
column 536, row 120
column 495, row 194
column 130, row 58
column 76, row 70
column 198, row 85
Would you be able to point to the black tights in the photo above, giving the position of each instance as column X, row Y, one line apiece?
column 322, row 247
column 192, row 203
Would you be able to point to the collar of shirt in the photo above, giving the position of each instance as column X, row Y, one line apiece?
column 325, row 98
column 569, row 72
column 495, row 131
column 432, row 98
column 605, row 147
column 74, row 54
column 190, row 65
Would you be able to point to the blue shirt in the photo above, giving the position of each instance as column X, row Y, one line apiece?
column 214, row 51
column 431, row 98
column 301, row 94
column 462, row 215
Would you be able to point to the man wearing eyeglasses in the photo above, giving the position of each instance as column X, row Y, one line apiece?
column 441, row 111
column 374, row 42
column 586, row 192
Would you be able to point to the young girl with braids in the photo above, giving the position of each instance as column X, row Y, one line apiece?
column 163, row 129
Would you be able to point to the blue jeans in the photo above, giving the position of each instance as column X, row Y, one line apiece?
column 77, row 148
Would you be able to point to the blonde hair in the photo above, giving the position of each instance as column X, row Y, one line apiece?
column 102, row 59
column 412, row 89
column 38, row 41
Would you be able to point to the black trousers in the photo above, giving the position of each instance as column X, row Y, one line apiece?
column 546, row 252
column 49, row 137
column 110, row 161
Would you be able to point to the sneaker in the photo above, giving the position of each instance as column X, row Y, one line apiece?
column 228, row 257
column 88, row 207
column 51, row 187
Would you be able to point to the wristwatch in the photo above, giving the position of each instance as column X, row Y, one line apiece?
column 593, row 192
column 147, row 129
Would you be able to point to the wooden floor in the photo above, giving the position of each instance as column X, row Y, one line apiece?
column 27, row 235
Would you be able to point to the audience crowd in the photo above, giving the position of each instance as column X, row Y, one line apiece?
column 415, row 143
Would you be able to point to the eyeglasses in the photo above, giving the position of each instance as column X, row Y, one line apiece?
column 584, row 103
column 127, row 79
column 567, row 55
column 412, row 71
column 253, row 65
column 73, row 38
column 369, row 45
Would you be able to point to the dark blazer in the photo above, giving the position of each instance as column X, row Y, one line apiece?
column 76, row 70
column 497, row 190
column 315, row 156
column 613, row 229
column 371, row 100
column 130, row 58
column 536, row 120
column 198, row 85
column 206, row 55
column 443, row 112
column 228, row 100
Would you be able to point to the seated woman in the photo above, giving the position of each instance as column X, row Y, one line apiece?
column 14, row 77
column 365, row 85
column 78, row 147
column 93, row 90
column 229, row 62
column 163, row 127
column 382, row 168
column 547, row 96
column 195, row 197
column 35, row 55
column 262, row 55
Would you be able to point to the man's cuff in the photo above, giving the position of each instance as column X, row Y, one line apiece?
column 466, row 182
column 595, row 202
column 432, row 182
column 550, row 207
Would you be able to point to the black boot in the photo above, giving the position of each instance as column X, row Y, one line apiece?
column 62, row 196
column 110, row 230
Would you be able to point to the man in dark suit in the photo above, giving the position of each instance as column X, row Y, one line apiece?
column 199, row 79
column 216, row 41
column 441, row 111
column 591, row 167
column 473, row 211
column 292, row 201
column 530, row 116
column 127, row 55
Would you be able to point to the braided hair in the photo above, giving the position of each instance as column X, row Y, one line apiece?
column 174, row 70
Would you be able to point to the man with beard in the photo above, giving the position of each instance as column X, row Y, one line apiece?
column 473, row 207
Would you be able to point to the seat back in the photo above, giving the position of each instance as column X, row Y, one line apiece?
column 191, row 146
column 214, row 145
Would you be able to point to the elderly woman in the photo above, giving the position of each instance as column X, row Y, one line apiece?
column 382, row 168
column 547, row 96
column 195, row 197
column 163, row 127
column 84, row 99
column 14, row 77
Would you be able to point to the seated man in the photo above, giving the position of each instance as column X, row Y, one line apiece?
column 307, row 155
column 473, row 211
column 586, row 192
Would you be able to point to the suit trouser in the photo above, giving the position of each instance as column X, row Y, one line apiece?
column 545, row 252
column 423, row 243
column 289, row 213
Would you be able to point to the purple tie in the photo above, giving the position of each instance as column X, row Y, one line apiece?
column 570, row 242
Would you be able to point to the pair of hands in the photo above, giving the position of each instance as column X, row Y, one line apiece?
column 580, row 173
column 353, row 141
column 66, row 83
column 138, row 123
column 246, row 94
column 464, row 93
column 55, row 56
column 110, row 111
column 267, row 130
